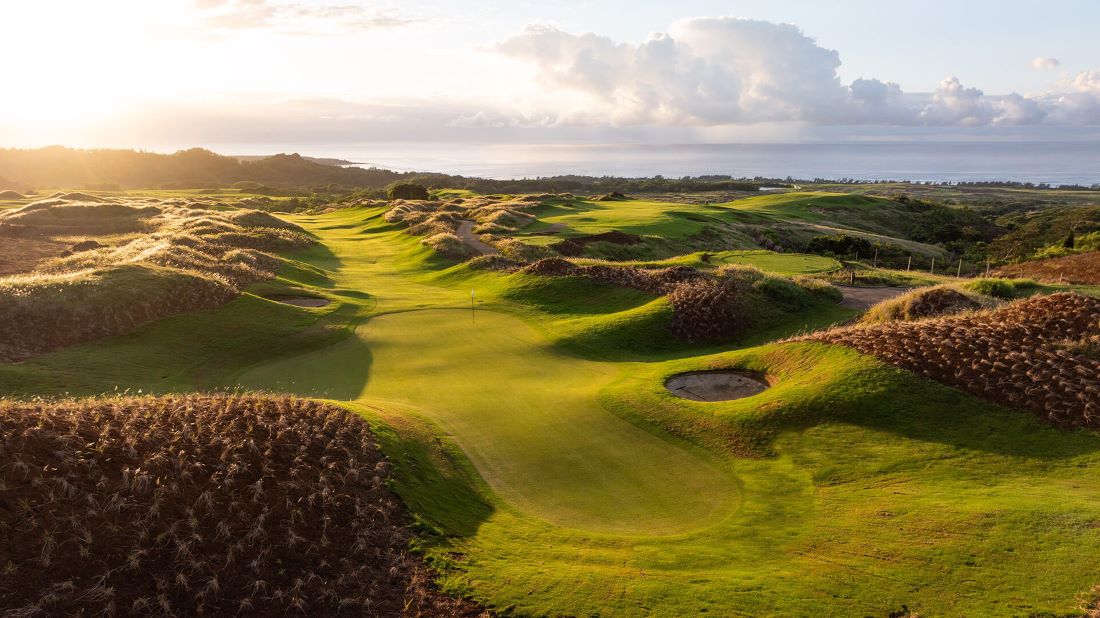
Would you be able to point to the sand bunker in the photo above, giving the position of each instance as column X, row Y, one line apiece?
column 716, row 385
column 300, row 301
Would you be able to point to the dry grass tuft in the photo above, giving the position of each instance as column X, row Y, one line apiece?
column 1017, row 355
column 923, row 303
column 202, row 505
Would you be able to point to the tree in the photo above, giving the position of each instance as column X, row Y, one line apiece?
column 407, row 191
column 1070, row 240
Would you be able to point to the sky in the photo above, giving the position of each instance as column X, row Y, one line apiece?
column 247, row 74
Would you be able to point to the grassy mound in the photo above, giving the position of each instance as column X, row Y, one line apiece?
column 707, row 306
column 202, row 504
column 922, row 303
column 1016, row 355
column 159, row 261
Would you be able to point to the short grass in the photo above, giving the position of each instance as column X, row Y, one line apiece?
column 770, row 261
column 550, row 480
column 644, row 218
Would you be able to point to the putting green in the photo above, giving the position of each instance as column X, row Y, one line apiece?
column 525, row 414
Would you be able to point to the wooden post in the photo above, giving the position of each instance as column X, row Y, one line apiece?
column 960, row 272
column 910, row 264
column 987, row 269
column 933, row 265
column 876, row 257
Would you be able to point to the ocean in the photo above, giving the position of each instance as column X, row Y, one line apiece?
column 1038, row 162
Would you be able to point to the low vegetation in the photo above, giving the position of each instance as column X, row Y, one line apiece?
column 1016, row 355
column 202, row 505
column 712, row 306
column 150, row 261
column 924, row 303
column 1081, row 268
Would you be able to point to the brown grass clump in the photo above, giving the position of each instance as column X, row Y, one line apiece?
column 706, row 307
column 450, row 245
column 706, row 310
column 1080, row 268
column 1016, row 355
column 921, row 303
column 202, row 505
column 154, row 261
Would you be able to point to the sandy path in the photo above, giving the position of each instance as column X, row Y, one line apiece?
column 864, row 297
column 466, row 233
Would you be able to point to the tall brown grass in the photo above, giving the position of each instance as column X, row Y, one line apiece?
column 202, row 505
column 1022, row 355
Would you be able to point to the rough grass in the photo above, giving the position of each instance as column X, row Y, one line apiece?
column 1016, row 355
column 1080, row 268
column 194, row 505
column 183, row 260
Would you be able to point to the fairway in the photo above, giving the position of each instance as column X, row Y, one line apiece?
column 526, row 414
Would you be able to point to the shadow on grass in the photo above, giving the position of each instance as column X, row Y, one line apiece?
column 920, row 409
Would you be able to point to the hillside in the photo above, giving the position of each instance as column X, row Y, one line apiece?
column 196, row 168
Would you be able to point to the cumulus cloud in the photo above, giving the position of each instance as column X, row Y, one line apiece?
column 1045, row 63
column 955, row 104
column 723, row 70
column 704, row 71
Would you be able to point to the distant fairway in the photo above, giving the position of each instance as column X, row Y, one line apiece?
column 527, row 416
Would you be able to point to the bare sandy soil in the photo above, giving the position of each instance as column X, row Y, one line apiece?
column 466, row 233
column 864, row 297
column 716, row 385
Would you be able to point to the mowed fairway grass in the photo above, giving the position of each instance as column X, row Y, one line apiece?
column 548, row 480
column 527, row 416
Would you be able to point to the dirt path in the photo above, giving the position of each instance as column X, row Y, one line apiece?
column 863, row 297
column 466, row 233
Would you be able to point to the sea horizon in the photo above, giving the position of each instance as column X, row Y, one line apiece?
column 1055, row 163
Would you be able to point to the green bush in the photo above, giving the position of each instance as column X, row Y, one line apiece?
column 997, row 288
column 407, row 191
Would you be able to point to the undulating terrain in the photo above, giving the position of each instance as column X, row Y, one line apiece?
column 230, row 401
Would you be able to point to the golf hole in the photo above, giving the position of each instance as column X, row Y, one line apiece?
column 723, row 385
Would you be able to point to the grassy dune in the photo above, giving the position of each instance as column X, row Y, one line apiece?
column 550, row 481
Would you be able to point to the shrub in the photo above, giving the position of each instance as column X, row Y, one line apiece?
column 997, row 288
column 821, row 289
column 407, row 191
column 840, row 244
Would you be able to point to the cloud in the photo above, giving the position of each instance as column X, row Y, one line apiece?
column 294, row 17
column 716, row 71
column 955, row 104
column 705, row 71
column 1045, row 63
